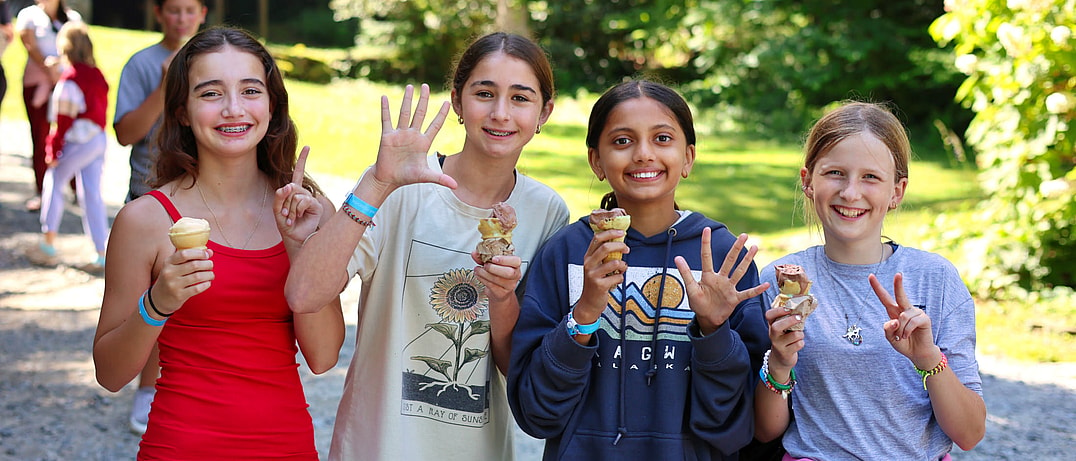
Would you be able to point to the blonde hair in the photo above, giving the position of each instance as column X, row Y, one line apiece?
column 73, row 42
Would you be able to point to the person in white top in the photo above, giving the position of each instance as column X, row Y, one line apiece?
column 435, row 325
column 38, row 25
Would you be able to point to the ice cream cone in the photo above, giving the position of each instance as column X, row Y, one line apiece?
column 795, row 297
column 496, row 232
column 189, row 233
column 603, row 220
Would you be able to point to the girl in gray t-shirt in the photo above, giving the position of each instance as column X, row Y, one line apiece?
column 885, row 367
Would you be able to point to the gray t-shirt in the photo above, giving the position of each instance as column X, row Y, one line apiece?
column 867, row 401
column 141, row 75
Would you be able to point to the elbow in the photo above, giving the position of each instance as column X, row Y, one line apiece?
column 300, row 300
column 321, row 366
column 972, row 438
column 109, row 382
column 122, row 137
column 765, row 435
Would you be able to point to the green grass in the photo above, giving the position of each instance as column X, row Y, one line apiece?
column 750, row 185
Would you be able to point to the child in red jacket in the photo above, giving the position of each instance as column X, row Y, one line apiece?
column 75, row 147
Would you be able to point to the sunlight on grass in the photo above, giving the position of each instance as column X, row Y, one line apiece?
column 750, row 185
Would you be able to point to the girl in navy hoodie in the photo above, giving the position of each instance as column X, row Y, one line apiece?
column 652, row 356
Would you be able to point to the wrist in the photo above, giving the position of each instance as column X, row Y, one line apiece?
column 578, row 327
column 929, row 360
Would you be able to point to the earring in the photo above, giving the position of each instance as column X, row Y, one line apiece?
column 538, row 130
column 892, row 206
column 804, row 188
column 460, row 118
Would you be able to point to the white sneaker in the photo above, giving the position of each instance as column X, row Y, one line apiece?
column 143, row 398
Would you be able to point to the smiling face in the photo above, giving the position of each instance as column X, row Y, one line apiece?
column 180, row 19
column 228, row 106
column 852, row 187
column 501, row 105
column 643, row 151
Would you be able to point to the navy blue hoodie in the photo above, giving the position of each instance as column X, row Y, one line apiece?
column 635, row 392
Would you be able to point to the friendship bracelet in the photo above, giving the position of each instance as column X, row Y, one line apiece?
column 354, row 217
column 358, row 205
column 153, row 305
column 145, row 315
column 767, row 379
column 933, row 371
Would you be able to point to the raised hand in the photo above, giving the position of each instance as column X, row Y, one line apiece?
column 401, row 156
column 714, row 296
column 908, row 329
column 296, row 210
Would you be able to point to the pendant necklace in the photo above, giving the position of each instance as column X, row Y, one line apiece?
column 852, row 333
column 265, row 193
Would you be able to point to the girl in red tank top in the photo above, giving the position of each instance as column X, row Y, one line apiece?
column 229, row 385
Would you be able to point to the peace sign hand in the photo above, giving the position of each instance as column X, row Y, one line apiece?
column 908, row 329
column 715, row 296
column 401, row 156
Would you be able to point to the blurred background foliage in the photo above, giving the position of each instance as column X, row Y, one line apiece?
column 1021, row 83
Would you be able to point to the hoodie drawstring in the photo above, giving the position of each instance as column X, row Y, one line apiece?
column 653, row 371
column 621, row 427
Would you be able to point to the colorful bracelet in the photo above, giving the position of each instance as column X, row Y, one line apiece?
column 153, row 305
column 350, row 212
column 767, row 379
column 145, row 315
column 933, row 371
column 358, row 205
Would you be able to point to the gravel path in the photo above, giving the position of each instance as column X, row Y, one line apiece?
column 51, row 408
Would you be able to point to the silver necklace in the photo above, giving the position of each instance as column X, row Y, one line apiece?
column 853, row 333
column 265, row 193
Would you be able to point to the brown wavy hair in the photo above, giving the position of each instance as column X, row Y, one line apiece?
column 513, row 45
column 178, row 152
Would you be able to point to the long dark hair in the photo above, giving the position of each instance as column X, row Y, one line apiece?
column 178, row 150
column 632, row 89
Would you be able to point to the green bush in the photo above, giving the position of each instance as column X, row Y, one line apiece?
column 1020, row 59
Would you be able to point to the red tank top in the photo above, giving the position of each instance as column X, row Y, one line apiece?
column 229, row 385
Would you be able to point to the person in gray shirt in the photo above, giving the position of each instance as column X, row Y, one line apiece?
column 140, row 95
column 872, row 375
column 139, row 101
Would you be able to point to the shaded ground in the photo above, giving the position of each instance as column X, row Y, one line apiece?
column 51, row 408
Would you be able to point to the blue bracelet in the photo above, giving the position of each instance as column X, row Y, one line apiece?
column 358, row 205
column 576, row 328
column 145, row 315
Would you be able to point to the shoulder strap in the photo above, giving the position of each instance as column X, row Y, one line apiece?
column 167, row 204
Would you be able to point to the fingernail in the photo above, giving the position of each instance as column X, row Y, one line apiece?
column 799, row 317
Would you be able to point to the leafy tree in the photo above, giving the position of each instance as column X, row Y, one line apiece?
column 421, row 38
column 1020, row 62
column 786, row 59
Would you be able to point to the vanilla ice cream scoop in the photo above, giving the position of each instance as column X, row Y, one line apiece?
column 189, row 233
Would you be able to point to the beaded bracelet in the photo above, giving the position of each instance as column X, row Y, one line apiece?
column 933, row 371
column 767, row 379
column 145, row 315
column 359, row 205
column 153, row 305
column 354, row 217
